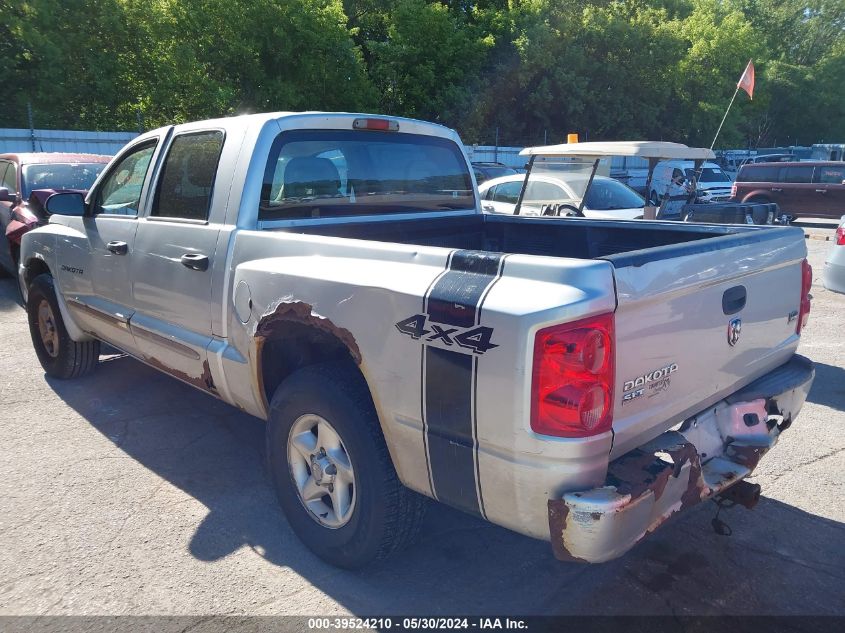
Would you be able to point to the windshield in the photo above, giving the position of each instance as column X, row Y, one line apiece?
column 60, row 176
column 608, row 195
column 319, row 173
column 708, row 174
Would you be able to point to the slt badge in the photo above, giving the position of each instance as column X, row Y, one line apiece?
column 734, row 329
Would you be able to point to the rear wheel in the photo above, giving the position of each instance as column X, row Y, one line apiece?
column 331, row 469
column 60, row 356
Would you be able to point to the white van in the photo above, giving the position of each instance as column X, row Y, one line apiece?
column 670, row 176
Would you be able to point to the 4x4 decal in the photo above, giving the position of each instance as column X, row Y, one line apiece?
column 476, row 338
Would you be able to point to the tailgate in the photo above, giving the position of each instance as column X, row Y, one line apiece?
column 697, row 321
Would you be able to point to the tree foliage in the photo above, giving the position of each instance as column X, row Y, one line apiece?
column 523, row 69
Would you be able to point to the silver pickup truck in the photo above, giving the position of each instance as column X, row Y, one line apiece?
column 574, row 380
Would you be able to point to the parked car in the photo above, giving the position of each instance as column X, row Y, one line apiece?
column 487, row 171
column 713, row 184
column 575, row 380
column 607, row 197
column 25, row 182
column 833, row 276
column 801, row 189
column 769, row 158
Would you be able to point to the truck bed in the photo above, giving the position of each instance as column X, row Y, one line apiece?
column 620, row 242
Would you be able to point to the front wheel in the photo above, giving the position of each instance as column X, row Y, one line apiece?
column 60, row 356
column 331, row 469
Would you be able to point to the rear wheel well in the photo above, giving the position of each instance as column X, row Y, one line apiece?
column 295, row 346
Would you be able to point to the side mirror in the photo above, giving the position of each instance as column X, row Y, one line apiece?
column 68, row 203
column 7, row 196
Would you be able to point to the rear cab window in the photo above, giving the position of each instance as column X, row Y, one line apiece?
column 331, row 173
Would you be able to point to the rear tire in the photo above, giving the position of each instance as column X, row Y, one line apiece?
column 60, row 356
column 377, row 514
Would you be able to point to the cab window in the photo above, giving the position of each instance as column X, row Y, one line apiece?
column 796, row 174
column 120, row 193
column 187, row 178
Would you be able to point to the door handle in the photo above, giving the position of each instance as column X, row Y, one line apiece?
column 777, row 190
column 821, row 190
column 118, row 248
column 195, row 261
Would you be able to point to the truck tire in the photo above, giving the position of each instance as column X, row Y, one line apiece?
column 331, row 469
column 60, row 356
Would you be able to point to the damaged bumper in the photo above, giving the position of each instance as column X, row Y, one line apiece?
column 701, row 458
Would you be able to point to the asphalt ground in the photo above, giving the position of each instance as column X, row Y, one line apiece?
column 128, row 493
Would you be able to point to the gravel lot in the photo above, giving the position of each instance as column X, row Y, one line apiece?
column 128, row 492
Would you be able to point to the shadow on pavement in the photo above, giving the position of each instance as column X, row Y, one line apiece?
column 828, row 386
column 779, row 560
column 9, row 297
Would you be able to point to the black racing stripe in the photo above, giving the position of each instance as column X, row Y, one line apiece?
column 423, row 381
column 455, row 297
column 448, row 409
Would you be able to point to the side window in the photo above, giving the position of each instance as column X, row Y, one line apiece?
column 677, row 174
column 7, row 177
column 544, row 191
column 828, row 175
column 120, row 193
column 187, row 178
column 755, row 173
column 508, row 192
column 796, row 174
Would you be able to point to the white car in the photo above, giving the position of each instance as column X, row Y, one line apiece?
column 606, row 198
column 833, row 276
column 714, row 185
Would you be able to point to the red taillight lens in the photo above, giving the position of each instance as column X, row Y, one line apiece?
column 572, row 381
column 840, row 236
column 733, row 190
column 806, row 285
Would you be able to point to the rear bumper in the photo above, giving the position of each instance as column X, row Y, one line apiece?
column 702, row 457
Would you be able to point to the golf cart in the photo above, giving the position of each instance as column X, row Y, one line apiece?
column 676, row 202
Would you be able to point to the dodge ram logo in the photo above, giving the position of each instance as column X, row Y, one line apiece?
column 734, row 328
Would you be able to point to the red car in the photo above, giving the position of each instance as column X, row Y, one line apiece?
column 26, row 181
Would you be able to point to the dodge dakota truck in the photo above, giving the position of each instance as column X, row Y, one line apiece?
column 574, row 380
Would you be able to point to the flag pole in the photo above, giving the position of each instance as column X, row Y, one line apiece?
column 724, row 117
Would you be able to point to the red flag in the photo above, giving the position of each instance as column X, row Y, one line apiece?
column 746, row 82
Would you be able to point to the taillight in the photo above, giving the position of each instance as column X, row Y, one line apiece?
column 733, row 190
column 572, row 381
column 840, row 236
column 806, row 285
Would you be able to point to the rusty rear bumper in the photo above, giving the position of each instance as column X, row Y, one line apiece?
column 699, row 459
